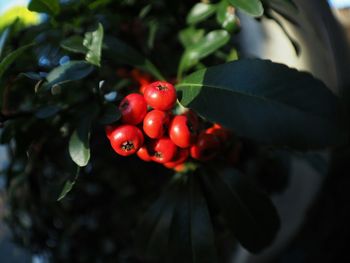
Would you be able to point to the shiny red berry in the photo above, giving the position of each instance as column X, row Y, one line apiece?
column 156, row 123
column 162, row 150
column 183, row 130
column 109, row 129
column 179, row 158
column 160, row 95
column 126, row 139
column 133, row 109
column 143, row 154
column 206, row 147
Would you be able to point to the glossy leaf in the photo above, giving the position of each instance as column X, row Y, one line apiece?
column 249, row 213
column 282, row 4
column 10, row 58
column 79, row 145
column 178, row 228
column 93, row 42
column 191, row 236
column 203, row 48
column 154, row 229
column 32, row 75
column 265, row 101
column 51, row 7
column 251, row 7
column 190, row 36
column 200, row 12
column 74, row 44
column 73, row 70
column 120, row 52
column 202, row 233
column 3, row 39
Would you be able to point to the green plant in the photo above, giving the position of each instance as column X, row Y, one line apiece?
column 62, row 82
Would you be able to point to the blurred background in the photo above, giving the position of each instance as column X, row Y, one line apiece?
column 11, row 10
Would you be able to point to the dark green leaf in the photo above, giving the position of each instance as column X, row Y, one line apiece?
column 73, row 70
column 251, row 7
column 282, row 4
column 51, row 7
column 3, row 39
column 32, row 75
column 10, row 58
column 110, row 114
column 98, row 4
column 68, row 186
column 190, row 36
column 202, row 235
column 180, row 247
column 154, row 230
column 47, row 111
column 200, row 12
column 79, row 145
column 93, row 42
column 203, row 48
column 249, row 213
column 265, row 101
column 74, row 44
column 120, row 52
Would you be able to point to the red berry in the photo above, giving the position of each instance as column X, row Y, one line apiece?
column 179, row 158
column 160, row 95
column 155, row 123
column 133, row 109
column 206, row 147
column 109, row 129
column 222, row 133
column 143, row 154
column 126, row 139
column 162, row 150
column 183, row 130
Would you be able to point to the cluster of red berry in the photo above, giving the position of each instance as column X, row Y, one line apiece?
column 170, row 139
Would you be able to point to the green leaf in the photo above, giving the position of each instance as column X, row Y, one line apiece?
column 201, row 229
column 282, row 4
column 73, row 70
column 226, row 16
column 32, row 75
column 154, row 229
column 3, row 39
column 265, row 101
column 120, row 52
column 10, row 58
column 200, row 12
column 47, row 111
column 68, row 186
column 191, row 237
column 51, row 7
column 74, row 44
column 203, row 48
column 110, row 114
column 249, row 213
column 93, row 42
column 79, row 145
column 251, row 7
column 190, row 36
